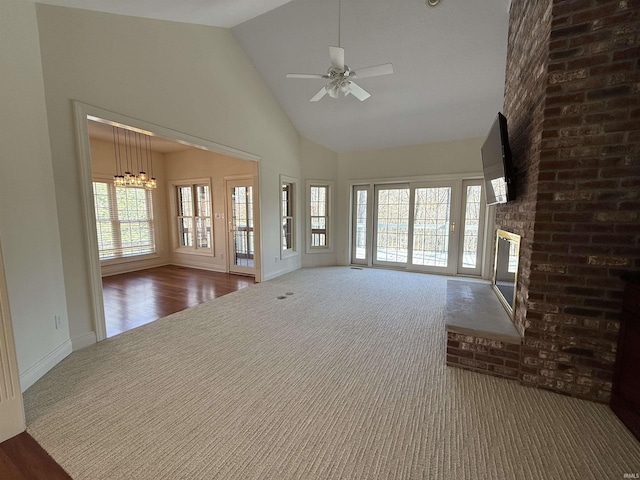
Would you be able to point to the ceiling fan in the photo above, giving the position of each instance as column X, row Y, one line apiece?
column 341, row 77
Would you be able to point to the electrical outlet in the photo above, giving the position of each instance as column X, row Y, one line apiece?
column 56, row 320
column 222, row 256
column 276, row 259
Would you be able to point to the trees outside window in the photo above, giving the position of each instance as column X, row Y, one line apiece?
column 124, row 220
column 193, row 216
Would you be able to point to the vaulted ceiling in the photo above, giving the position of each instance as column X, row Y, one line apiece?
column 448, row 61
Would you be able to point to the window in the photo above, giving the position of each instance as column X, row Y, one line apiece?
column 287, row 213
column 124, row 220
column 319, row 216
column 359, row 250
column 193, row 205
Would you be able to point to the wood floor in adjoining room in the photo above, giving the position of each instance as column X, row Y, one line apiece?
column 22, row 458
column 136, row 298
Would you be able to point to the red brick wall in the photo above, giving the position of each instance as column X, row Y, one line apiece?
column 527, row 57
column 483, row 355
column 586, row 197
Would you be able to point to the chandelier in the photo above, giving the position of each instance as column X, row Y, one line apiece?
column 132, row 153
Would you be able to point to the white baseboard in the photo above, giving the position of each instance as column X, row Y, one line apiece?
column 128, row 267
column 37, row 371
column 83, row 341
column 279, row 273
column 200, row 266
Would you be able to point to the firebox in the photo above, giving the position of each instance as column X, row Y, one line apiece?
column 505, row 270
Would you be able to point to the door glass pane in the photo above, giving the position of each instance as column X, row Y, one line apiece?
column 471, row 224
column 242, row 209
column 392, row 226
column 431, row 226
column 360, row 237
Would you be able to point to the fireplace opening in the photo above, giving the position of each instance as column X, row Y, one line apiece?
column 505, row 270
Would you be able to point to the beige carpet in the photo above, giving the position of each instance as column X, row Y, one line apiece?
column 344, row 379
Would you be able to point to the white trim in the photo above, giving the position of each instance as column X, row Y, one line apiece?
column 81, row 112
column 83, row 341
column 293, row 251
column 12, row 420
column 173, row 206
column 93, row 254
column 482, row 223
column 455, row 181
column 329, row 248
column 112, row 192
column 368, row 225
column 279, row 273
column 34, row 373
column 128, row 267
column 153, row 130
column 417, row 179
column 242, row 180
column 200, row 266
column 258, row 258
column 145, row 257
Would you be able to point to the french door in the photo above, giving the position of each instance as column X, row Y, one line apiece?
column 241, row 241
column 415, row 226
column 471, row 233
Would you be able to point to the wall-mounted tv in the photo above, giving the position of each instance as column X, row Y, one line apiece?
column 497, row 165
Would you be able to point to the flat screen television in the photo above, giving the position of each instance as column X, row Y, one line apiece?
column 497, row 165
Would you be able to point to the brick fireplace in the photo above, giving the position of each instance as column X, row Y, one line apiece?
column 572, row 100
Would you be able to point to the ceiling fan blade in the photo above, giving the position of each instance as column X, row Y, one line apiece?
column 306, row 75
column 358, row 92
column 337, row 57
column 319, row 95
column 376, row 71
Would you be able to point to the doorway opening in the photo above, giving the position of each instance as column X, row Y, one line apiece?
column 186, row 235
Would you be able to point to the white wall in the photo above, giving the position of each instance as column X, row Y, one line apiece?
column 103, row 165
column 28, row 216
column 196, row 164
column 401, row 163
column 318, row 163
column 190, row 78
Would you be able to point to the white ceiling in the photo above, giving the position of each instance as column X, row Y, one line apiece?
column 218, row 13
column 449, row 61
column 104, row 131
column 449, row 64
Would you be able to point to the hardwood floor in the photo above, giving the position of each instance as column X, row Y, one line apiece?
column 22, row 458
column 133, row 299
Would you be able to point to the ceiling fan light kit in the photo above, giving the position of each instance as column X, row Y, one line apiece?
column 341, row 77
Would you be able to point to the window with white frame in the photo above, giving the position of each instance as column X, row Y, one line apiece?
column 193, row 216
column 287, row 214
column 124, row 220
column 318, row 216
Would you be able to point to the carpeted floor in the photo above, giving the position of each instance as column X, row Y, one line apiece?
column 342, row 379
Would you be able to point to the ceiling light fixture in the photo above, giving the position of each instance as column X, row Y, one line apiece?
column 339, row 74
column 132, row 151
column 432, row 3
